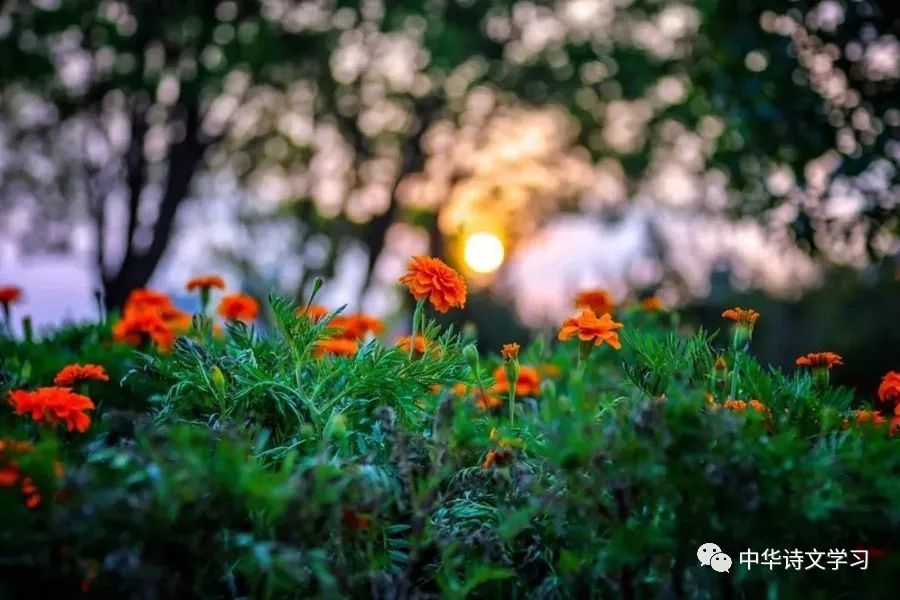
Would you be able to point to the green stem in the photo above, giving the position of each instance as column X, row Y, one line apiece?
column 512, row 405
column 204, row 299
column 734, row 377
column 417, row 317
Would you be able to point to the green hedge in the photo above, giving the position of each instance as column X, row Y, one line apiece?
column 244, row 466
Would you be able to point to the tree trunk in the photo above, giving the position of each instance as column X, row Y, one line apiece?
column 138, row 265
column 413, row 161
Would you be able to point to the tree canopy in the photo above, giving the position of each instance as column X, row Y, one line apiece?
column 338, row 116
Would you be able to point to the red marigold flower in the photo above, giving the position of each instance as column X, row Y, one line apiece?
column 431, row 278
column 72, row 374
column 510, row 352
column 238, row 307
column 9, row 475
column 599, row 301
column 895, row 423
column 889, row 390
column 528, row 383
column 31, row 493
column 91, row 569
column 337, row 346
column 355, row 521
column 743, row 316
column 10, row 294
column 138, row 329
column 820, row 360
column 54, row 405
column 9, row 470
column 205, row 282
column 589, row 328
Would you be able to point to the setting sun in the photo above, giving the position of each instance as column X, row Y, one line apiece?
column 484, row 252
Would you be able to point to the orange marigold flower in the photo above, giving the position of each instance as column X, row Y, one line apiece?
column 10, row 294
column 873, row 417
column 144, row 300
column 743, row 316
column 460, row 389
column 497, row 457
column 431, row 278
column 337, row 346
column 528, row 383
column 743, row 405
column 357, row 326
column 889, row 390
column 403, row 343
column 735, row 405
column 820, row 360
column 720, row 366
column 549, row 370
column 54, row 405
column 138, row 329
column 489, row 459
column 485, row 400
column 205, row 282
column 510, row 352
column 238, row 307
column 652, row 303
column 599, row 301
column 314, row 312
column 72, row 374
column 757, row 406
column 18, row 446
column 589, row 328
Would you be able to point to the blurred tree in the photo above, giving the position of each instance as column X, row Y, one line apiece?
column 324, row 109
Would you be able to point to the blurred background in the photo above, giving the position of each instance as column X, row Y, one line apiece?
column 714, row 152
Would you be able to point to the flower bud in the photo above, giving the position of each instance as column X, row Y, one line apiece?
column 548, row 389
column 218, row 380
column 336, row 429
column 470, row 354
column 510, row 352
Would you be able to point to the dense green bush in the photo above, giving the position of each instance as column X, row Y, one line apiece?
column 245, row 465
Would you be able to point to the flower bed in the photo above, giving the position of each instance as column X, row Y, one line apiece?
column 164, row 455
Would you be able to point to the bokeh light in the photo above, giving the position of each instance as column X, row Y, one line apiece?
column 484, row 252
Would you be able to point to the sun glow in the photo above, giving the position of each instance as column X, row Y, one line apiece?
column 484, row 252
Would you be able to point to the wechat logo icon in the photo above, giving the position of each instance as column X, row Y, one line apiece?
column 710, row 555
